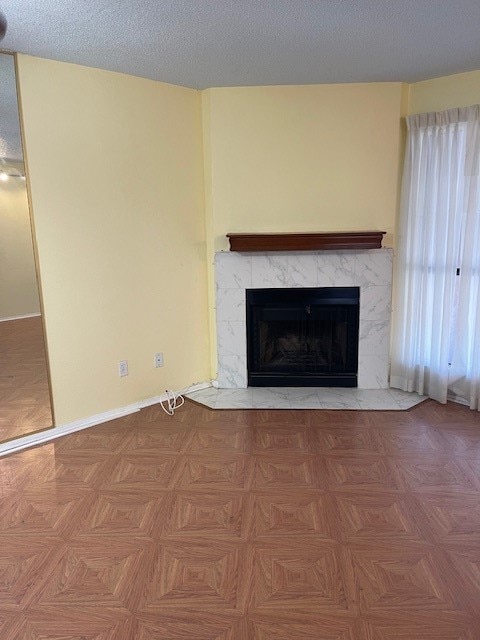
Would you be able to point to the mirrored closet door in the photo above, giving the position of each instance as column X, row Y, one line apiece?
column 24, row 384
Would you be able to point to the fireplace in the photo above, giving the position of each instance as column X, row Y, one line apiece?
column 302, row 337
column 368, row 270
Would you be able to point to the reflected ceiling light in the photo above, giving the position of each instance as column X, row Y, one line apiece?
column 7, row 172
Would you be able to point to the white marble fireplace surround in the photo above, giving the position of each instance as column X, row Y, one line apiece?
column 371, row 270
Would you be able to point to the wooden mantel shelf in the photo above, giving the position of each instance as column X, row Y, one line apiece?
column 305, row 241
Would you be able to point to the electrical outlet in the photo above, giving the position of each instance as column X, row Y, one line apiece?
column 123, row 368
column 158, row 360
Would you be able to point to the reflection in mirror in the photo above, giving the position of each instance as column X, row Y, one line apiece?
column 24, row 387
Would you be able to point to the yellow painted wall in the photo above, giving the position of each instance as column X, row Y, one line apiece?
column 116, row 178
column 18, row 283
column 438, row 94
column 303, row 158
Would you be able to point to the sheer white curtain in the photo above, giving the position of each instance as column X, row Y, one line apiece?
column 436, row 330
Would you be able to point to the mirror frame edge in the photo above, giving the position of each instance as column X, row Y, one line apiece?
column 33, row 232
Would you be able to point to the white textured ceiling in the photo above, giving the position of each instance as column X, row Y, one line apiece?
column 205, row 43
column 10, row 143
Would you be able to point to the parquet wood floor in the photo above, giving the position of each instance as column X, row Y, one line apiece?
column 24, row 394
column 246, row 525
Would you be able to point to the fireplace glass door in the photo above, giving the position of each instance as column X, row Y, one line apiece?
column 303, row 337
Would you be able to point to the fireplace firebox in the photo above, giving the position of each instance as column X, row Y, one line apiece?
column 304, row 337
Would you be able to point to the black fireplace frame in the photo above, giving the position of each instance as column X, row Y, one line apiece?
column 348, row 297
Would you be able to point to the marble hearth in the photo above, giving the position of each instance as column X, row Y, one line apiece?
column 371, row 270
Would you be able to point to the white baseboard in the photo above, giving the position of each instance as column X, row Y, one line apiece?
column 33, row 440
column 27, row 315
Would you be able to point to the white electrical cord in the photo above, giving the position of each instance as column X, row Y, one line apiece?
column 173, row 401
